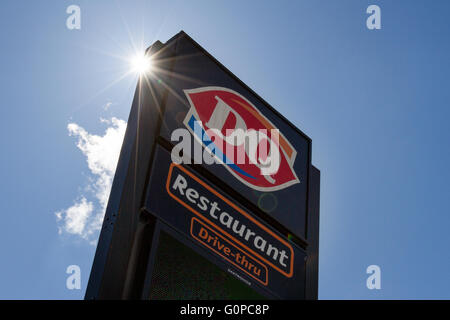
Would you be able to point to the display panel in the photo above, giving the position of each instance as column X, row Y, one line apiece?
column 181, row 273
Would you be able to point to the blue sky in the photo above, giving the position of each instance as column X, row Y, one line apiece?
column 374, row 102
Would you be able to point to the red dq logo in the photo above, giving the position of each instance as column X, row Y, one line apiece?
column 238, row 136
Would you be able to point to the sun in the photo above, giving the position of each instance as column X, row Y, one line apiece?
column 140, row 63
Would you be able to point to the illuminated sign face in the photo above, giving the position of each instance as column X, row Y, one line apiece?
column 240, row 137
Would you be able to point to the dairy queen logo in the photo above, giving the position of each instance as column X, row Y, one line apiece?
column 241, row 138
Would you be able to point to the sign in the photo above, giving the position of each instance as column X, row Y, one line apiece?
column 233, row 120
column 244, row 224
column 195, row 195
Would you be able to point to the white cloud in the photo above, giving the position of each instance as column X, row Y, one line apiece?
column 74, row 218
column 84, row 218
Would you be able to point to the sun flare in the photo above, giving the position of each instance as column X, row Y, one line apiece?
column 140, row 63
